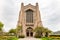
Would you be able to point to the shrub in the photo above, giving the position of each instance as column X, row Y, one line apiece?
column 3, row 38
column 37, row 36
column 21, row 36
column 8, row 38
column 12, row 38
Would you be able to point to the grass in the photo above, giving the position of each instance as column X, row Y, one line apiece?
column 46, row 38
column 8, row 38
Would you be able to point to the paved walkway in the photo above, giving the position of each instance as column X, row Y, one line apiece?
column 29, row 38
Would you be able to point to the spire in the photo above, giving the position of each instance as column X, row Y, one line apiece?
column 36, row 4
column 22, row 4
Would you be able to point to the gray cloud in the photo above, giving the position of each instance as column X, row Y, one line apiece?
column 49, row 9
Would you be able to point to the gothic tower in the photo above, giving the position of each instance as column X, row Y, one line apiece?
column 29, row 18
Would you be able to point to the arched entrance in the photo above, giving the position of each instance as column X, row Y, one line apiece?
column 29, row 32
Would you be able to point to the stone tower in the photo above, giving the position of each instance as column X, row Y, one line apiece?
column 29, row 18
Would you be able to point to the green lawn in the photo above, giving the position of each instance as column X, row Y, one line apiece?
column 8, row 38
column 49, row 38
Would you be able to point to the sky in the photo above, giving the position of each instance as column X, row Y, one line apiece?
column 49, row 10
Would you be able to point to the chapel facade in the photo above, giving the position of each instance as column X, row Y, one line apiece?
column 29, row 19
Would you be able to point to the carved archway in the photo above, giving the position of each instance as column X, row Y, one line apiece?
column 29, row 32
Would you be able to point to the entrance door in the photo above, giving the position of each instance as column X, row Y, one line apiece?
column 29, row 32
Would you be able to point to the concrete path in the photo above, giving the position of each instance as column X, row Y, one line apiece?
column 29, row 38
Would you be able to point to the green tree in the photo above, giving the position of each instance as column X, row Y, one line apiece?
column 13, row 31
column 39, row 31
column 19, row 30
column 47, row 31
column 1, row 26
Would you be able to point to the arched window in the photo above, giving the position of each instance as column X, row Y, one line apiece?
column 29, row 16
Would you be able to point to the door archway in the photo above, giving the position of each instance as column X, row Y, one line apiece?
column 29, row 32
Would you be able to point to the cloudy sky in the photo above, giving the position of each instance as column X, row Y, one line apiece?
column 49, row 10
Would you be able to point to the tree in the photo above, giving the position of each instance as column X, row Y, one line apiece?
column 13, row 31
column 1, row 26
column 39, row 31
column 19, row 31
column 47, row 31
column 19, row 28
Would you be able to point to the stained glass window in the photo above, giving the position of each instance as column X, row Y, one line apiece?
column 29, row 16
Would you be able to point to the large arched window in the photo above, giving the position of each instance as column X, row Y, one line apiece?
column 29, row 16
